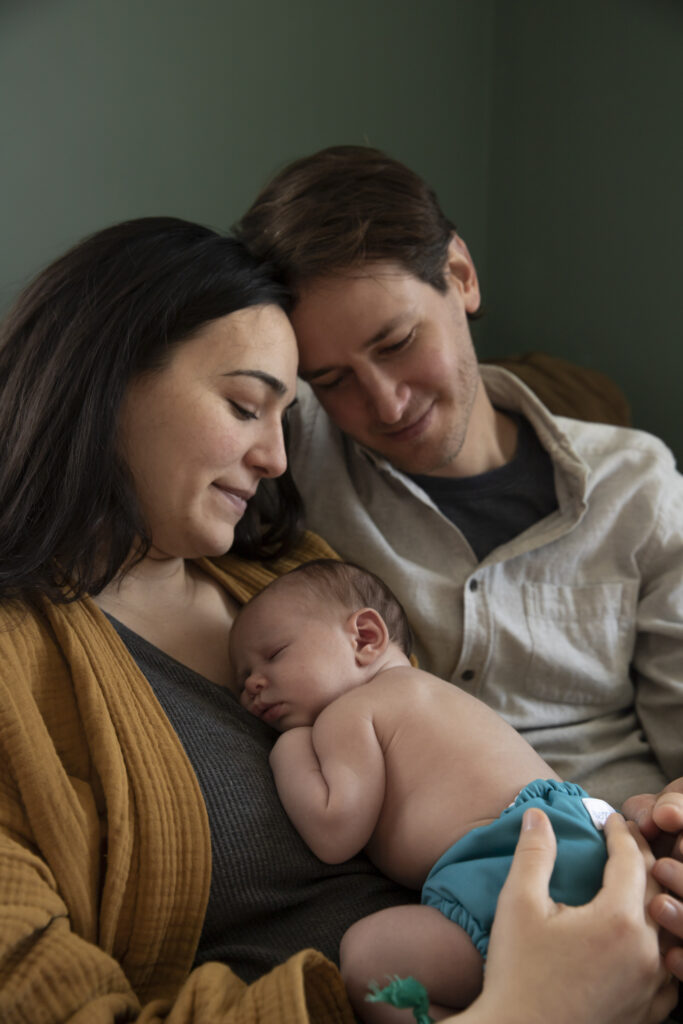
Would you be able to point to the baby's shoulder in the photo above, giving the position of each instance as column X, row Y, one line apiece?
column 405, row 683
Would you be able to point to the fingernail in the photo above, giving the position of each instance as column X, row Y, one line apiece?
column 666, row 911
column 531, row 819
column 665, row 873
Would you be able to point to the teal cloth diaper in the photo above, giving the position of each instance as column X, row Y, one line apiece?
column 465, row 882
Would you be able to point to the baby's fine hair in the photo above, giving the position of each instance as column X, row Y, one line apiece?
column 356, row 588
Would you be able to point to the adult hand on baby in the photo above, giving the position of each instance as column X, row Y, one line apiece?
column 595, row 964
column 660, row 818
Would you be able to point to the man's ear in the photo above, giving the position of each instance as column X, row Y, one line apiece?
column 369, row 635
column 461, row 272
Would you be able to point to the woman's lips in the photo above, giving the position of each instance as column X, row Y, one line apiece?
column 238, row 499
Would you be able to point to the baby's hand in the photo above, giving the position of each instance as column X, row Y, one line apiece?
column 291, row 744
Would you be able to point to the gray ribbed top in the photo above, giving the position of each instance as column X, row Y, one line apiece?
column 270, row 896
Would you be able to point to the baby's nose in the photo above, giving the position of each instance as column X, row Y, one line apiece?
column 254, row 683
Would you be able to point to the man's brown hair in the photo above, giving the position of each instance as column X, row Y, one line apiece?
column 343, row 207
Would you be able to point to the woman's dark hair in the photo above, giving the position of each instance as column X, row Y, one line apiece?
column 111, row 308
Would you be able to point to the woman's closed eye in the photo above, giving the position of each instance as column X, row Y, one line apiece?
column 242, row 412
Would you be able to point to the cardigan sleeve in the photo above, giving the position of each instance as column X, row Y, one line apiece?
column 99, row 899
column 306, row 988
column 49, row 973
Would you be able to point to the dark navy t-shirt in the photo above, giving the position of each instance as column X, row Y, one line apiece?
column 494, row 507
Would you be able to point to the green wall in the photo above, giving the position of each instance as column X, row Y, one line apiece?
column 551, row 130
column 170, row 106
column 585, row 211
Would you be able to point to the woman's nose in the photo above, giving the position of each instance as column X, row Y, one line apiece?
column 268, row 456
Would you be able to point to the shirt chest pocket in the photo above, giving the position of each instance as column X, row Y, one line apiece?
column 582, row 640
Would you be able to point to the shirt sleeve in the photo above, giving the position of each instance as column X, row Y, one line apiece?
column 658, row 655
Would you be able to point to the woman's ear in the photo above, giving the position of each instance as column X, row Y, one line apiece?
column 460, row 272
column 369, row 634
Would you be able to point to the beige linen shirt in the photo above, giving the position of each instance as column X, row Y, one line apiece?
column 573, row 631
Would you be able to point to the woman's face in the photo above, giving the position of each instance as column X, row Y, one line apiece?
column 199, row 434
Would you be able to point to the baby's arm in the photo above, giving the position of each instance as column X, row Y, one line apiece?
column 330, row 779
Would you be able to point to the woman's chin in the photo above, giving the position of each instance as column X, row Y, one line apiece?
column 218, row 545
column 203, row 544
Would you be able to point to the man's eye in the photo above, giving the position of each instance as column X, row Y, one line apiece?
column 328, row 385
column 244, row 414
column 398, row 345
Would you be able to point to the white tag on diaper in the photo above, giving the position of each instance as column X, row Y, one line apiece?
column 599, row 811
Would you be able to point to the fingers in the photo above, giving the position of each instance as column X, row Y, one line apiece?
column 667, row 813
column 630, row 871
column 534, row 859
column 655, row 812
column 673, row 961
column 664, row 1002
column 667, row 911
column 621, row 834
column 639, row 809
column 628, row 864
column 668, row 914
column 669, row 873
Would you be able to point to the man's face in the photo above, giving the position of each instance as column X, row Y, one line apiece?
column 391, row 361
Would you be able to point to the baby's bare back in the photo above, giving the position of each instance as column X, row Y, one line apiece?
column 451, row 764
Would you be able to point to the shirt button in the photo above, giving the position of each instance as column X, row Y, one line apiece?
column 474, row 584
column 468, row 674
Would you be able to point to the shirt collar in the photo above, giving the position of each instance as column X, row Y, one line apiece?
column 507, row 391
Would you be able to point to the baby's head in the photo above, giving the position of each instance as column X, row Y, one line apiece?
column 312, row 634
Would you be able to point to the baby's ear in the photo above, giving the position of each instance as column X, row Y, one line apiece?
column 369, row 634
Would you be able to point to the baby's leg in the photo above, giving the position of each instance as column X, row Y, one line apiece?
column 410, row 941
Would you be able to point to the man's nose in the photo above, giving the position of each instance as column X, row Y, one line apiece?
column 388, row 397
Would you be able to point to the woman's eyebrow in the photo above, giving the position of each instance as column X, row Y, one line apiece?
column 273, row 382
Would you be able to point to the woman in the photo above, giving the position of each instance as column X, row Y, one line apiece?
column 144, row 378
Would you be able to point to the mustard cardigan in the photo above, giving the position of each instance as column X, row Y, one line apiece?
column 105, row 857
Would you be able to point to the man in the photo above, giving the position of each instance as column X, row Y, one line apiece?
column 540, row 559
